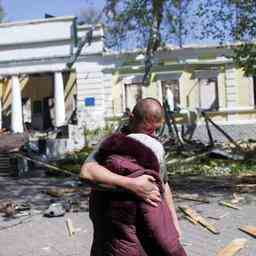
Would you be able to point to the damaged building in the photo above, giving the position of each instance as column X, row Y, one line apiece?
column 40, row 92
column 55, row 88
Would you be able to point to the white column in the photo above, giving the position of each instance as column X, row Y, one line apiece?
column 59, row 99
column 16, row 121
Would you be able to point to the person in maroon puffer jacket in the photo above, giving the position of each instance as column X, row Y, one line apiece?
column 147, row 116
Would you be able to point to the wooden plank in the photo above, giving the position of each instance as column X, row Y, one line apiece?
column 229, row 205
column 193, row 198
column 232, row 248
column 249, row 230
column 70, row 227
column 199, row 219
column 191, row 219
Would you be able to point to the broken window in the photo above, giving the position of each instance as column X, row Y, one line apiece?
column 208, row 94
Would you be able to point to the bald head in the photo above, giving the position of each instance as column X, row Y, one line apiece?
column 148, row 109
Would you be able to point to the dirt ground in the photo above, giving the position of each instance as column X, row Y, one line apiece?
column 37, row 235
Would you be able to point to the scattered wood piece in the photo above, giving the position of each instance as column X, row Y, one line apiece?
column 199, row 219
column 249, row 230
column 232, row 248
column 193, row 221
column 196, row 199
column 229, row 205
column 70, row 227
column 207, row 225
column 59, row 192
column 190, row 213
column 187, row 160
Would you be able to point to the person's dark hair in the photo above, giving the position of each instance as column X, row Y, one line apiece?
column 148, row 107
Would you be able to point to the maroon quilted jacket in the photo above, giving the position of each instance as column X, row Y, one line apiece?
column 123, row 223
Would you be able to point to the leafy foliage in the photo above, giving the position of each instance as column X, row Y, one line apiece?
column 234, row 21
column 148, row 23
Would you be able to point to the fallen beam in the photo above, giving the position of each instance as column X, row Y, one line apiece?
column 229, row 205
column 249, row 230
column 193, row 215
column 188, row 160
column 232, row 248
column 97, row 186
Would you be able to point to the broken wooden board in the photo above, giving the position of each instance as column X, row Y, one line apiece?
column 232, row 248
column 229, row 205
column 199, row 219
column 70, row 227
column 187, row 160
column 193, row 221
column 59, row 192
column 249, row 230
column 193, row 198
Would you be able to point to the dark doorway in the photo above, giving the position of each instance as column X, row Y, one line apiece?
column 47, row 120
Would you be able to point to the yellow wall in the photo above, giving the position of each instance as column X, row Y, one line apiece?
column 222, row 89
column 189, row 93
column 38, row 87
column 244, row 89
column 117, row 96
column 70, row 91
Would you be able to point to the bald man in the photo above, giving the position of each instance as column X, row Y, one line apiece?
column 147, row 116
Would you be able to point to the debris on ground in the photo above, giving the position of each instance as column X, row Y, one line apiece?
column 60, row 192
column 55, row 210
column 8, row 208
column 197, row 218
column 249, row 230
column 70, row 227
column 229, row 205
column 232, row 248
column 193, row 198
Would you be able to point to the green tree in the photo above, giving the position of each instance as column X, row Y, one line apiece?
column 146, row 23
column 150, row 24
column 231, row 21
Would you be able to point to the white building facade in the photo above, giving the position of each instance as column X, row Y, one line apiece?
column 39, row 89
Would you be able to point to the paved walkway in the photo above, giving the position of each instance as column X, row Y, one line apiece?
column 36, row 235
